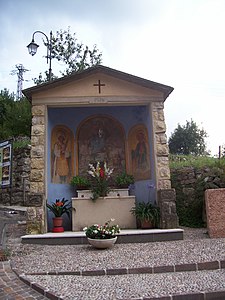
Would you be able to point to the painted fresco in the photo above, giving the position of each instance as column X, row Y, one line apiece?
column 62, row 161
column 139, row 153
column 101, row 138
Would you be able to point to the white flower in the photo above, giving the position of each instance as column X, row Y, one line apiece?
column 91, row 173
column 85, row 228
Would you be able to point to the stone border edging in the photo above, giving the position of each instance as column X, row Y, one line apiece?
column 203, row 266
column 219, row 295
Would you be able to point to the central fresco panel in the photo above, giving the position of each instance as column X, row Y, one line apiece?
column 101, row 138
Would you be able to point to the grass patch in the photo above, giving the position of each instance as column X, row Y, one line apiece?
column 179, row 161
column 21, row 144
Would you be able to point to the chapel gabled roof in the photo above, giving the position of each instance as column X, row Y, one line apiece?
column 165, row 89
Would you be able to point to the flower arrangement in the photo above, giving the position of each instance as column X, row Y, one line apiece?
column 105, row 231
column 59, row 207
column 100, row 176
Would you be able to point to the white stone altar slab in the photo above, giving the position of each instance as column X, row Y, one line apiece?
column 86, row 194
column 88, row 212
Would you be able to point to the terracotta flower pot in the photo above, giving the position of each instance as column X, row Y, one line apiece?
column 146, row 224
column 57, row 224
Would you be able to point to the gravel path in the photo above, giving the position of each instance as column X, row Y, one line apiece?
column 195, row 248
column 131, row 286
column 84, row 257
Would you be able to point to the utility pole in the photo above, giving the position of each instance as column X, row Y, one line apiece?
column 19, row 72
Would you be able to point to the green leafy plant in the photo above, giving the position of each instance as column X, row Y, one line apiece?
column 80, row 182
column 146, row 212
column 5, row 254
column 123, row 180
column 60, row 207
column 105, row 231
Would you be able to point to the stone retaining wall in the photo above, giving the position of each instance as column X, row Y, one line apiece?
column 18, row 194
column 190, row 184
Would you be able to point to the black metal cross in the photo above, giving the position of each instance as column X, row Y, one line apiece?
column 99, row 84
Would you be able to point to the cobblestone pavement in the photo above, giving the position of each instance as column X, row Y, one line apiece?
column 12, row 288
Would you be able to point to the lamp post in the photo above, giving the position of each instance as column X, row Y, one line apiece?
column 32, row 48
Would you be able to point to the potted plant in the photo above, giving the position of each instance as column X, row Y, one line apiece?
column 123, row 180
column 80, row 182
column 59, row 207
column 100, row 179
column 102, row 236
column 147, row 214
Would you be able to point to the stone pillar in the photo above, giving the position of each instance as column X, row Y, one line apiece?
column 167, row 206
column 36, row 213
column 215, row 212
column 161, row 147
column 166, row 196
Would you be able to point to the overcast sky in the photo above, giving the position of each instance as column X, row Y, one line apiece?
column 180, row 43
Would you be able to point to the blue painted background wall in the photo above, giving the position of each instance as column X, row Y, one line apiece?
column 71, row 117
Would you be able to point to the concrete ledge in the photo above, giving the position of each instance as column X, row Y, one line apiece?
column 125, row 236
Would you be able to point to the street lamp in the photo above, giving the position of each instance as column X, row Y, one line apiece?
column 32, row 48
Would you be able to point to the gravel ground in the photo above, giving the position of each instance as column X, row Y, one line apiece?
column 42, row 258
column 131, row 286
column 196, row 247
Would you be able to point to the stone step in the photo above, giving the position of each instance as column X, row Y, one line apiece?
column 125, row 236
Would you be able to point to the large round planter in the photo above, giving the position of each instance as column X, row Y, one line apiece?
column 57, row 224
column 102, row 243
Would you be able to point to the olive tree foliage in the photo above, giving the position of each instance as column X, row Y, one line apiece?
column 188, row 139
column 75, row 56
column 15, row 116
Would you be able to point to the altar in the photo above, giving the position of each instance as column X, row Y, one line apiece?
column 87, row 212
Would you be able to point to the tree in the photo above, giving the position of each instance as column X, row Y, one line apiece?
column 188, row 139
column 15, row 116
column 74, row 55
column 5, row 100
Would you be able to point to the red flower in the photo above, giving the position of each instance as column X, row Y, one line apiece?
column 102, row 173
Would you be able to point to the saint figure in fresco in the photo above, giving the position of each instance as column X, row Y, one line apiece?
column 139, row 154
column 61, row 156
